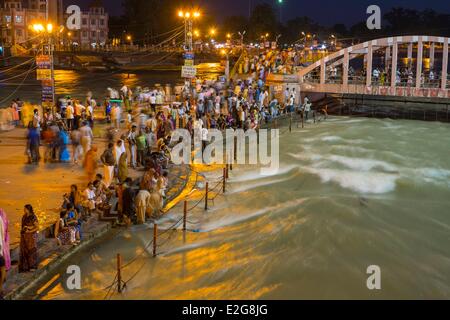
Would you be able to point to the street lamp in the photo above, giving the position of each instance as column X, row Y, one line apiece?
column 334, row 41
column 47, row 31
column 242, row 37
column 188, row 16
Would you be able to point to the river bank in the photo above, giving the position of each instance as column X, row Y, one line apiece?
column 350, row 193
column 95, row 231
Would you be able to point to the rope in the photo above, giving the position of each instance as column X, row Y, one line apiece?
column 18, row 87
column 135, row 274
column 110, row 287
column 197, row 204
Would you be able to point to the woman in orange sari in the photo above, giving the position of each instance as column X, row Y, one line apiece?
column 28, row 260
column 91, row 163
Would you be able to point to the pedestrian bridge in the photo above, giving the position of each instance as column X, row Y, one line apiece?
column 403, row 60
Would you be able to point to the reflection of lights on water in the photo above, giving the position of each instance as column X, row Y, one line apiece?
column 65, row 81
column 129, row 79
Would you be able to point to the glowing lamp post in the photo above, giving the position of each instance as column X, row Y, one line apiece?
column 189, row 17
column 47, row 31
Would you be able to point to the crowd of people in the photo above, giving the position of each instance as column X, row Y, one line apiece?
column 139, row 127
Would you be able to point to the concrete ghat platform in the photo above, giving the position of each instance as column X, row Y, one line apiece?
column 52, row 257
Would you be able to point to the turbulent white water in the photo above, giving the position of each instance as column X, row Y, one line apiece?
column 350, row 193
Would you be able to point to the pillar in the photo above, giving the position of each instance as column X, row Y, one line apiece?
column 444, row 65
column 419, row 62
column 387, row 56
column 345, row 67
column 323, row 70
column 369, row 65
column 394, row 63
column 432, row 50
column 410, row 53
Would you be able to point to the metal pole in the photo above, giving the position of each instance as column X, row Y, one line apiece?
column 224, row 179
column 119, row 273
column 290, row 123
column 184, row 215
column 206, row 197
column 155, row 234
column 53, row 77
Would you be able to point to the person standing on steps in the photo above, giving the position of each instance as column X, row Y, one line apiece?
column 108, row 161
column 28, row 261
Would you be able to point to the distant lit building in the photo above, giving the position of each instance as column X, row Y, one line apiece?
column 16, row 16
column 14, row 19
column 94, row 27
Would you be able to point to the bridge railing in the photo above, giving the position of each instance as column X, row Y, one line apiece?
column 359, row 79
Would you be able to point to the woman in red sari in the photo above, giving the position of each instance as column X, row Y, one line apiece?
column 28, row 241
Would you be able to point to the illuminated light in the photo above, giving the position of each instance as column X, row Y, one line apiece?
column 187, row 14
column 196, row 14
column 38, row 27
column 181, row 14
column 49, row 28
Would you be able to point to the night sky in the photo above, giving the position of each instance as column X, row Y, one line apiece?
column 326, row 12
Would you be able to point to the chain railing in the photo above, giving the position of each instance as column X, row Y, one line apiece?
column 161, row 239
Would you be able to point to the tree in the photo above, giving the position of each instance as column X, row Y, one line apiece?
column 403, row 21
column 235, row 24
column 147, row 19
column 294, row 28
column 263, row 20
column 340, row 30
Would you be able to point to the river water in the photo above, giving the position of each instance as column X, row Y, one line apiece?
column 78, row 83
column 350, row 193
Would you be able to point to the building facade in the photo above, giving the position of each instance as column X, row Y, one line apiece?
column 94, row 28
column 17, row 16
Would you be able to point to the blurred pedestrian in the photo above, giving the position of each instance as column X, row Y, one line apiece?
column 28, row 260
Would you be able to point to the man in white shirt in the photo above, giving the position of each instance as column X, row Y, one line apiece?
column 89, row 199
column 204, row 133
column 119, row 148
column 86, row 137
column 116, row 116
column 153, row 102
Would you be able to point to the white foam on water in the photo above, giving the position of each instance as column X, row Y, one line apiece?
column 251, row 186
column 252, row 175
column 436, row 176
column 306, row 156
column 233, row 218
column 361, row 182
column 331, row 139
column 362, row 164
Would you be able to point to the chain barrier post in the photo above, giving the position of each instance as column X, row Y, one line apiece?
column 155, row 234
column 119, row 273
column 290, row 124
column 184, row 215
column 224, row 179
column 206, row 197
